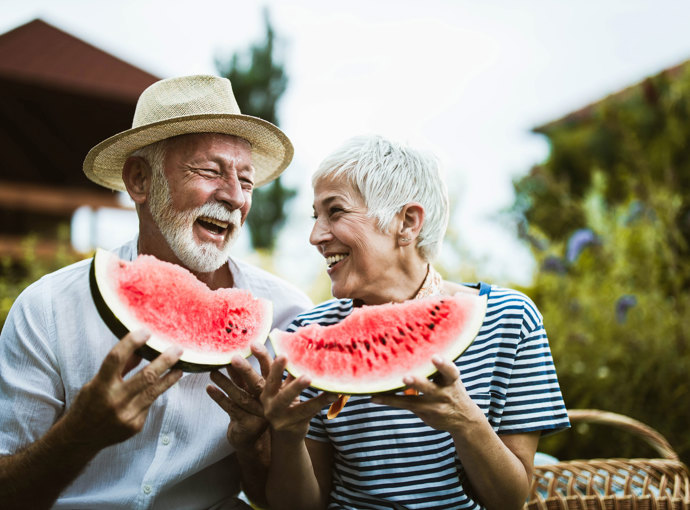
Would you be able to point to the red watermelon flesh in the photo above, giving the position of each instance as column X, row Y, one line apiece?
column 167, row 299
column 372, row 349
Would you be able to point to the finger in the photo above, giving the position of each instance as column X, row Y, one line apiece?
column 291, row 391
column 244, row 376
column 132, row 363
column 237, row 394
column 263, row 357
column 420, row 384
column 119, row 356
column 149, row 376
column 220, row 398
column 448, row 373
column 151, row 392
column 309, row 408
column 274, row 379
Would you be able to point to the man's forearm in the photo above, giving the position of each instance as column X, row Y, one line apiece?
column 35, row 477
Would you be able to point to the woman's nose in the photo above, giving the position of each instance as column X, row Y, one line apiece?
column 320, row 232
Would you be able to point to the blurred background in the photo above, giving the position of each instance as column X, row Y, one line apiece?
column 564, row 129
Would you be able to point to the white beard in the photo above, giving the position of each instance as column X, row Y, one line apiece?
column 176, row 227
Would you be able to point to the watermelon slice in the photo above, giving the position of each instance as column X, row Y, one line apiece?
column 211, row 326
column 372, row 349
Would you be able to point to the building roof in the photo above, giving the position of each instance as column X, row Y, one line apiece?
column 60, row 97
column 41, row 54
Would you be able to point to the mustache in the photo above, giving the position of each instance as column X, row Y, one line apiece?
column 219, row 212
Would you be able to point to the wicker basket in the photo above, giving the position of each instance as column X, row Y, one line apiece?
column 613, row 484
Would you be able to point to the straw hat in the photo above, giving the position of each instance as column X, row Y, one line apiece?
column 189, row 104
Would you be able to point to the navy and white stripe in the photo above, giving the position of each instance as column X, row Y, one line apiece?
column 388, row 458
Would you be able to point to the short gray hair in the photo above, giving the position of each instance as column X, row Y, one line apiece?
column 390, row 175
column 153, row 154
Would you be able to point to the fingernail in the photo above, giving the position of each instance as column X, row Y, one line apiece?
column 141, row 335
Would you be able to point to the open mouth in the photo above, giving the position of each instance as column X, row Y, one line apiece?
column 213, row 225
column 332, row 260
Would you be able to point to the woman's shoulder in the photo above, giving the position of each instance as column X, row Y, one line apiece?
column 331, row 311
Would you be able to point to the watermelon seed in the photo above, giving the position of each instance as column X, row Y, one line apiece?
column 431, row 326
column 367, row 345
column 244, row 331
column 383, row 341
column 410, row 327
column 401, row 331
column 228, row 330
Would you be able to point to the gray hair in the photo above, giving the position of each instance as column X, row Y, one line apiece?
column 389, row 175
column 153, row 154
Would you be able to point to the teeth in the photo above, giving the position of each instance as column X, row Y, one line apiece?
column 334, row 258
column 218, row 223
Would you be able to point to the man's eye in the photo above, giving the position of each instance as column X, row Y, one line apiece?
column 208, row 172
column 334, row 210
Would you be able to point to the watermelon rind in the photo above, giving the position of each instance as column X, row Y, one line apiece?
column 366, row 385
column 120, row 320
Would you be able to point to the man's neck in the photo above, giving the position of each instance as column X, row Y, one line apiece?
column 221, row 278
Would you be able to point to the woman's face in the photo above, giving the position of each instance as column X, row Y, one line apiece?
column 358, row 254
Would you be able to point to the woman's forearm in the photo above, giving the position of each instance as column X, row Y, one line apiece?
column 292, row 482
column 498, row 476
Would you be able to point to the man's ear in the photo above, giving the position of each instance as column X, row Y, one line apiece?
column 412, row 219
column 136, row 174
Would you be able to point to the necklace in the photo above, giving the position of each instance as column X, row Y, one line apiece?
column 431, row 285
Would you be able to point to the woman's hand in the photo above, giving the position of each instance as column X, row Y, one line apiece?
column 442, row 403
column 288, row 416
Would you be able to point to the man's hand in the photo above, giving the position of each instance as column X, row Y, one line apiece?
column 107, row 410
column 240, row 398
column 110, row 409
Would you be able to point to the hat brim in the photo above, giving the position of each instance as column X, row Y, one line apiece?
column 271, row 149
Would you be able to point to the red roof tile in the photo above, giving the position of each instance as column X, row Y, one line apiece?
column 41, row 54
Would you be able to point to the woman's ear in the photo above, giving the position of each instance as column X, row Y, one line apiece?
column 136, row 174
column 412, row 219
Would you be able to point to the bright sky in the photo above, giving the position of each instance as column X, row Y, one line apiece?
column 467, row 79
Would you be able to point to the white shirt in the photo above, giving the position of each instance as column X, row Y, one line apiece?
column 54, row 341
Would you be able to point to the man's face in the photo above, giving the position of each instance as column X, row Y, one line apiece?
column 202, row 196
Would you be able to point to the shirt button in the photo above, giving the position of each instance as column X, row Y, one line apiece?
column 147, row 489
column 165, row 440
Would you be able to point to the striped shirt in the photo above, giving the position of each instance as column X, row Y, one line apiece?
column 386, row 457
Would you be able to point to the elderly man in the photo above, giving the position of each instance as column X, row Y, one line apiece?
column 80, row 426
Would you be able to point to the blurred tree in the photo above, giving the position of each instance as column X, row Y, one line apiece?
column 608, row 219
column 17, row 273
column 258, row 81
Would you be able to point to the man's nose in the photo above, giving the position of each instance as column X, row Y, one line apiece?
column 230, row 192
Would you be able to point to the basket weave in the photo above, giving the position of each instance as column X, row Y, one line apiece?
column 613, row 484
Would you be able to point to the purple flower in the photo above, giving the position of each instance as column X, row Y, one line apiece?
column 553, row 264
column 623, row 304
column 578, row 241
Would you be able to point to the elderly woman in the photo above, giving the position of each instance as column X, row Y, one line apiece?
column 468, row 439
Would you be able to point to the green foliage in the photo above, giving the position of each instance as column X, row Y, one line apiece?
column 17, row 274
column 258, row 82
column 616, row 307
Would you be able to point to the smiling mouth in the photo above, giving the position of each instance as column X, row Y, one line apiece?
column 334, row 259
column 213, row 225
